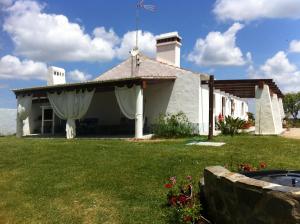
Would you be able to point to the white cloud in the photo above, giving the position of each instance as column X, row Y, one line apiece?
column 78, row 76
column 50, row 37
column 246, row 10
column 295, row 46
column 218, row 49
column 12, row 67
column 146, row 41
column 281, row 70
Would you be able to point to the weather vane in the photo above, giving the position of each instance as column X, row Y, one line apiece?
column 141, row 5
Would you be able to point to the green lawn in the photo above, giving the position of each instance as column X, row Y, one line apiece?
column 113, row 181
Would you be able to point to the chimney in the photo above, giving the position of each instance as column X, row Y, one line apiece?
column 56, row 76
column 168, row 48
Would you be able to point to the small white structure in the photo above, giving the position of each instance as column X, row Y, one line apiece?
column 129, row 98
column 56, row 76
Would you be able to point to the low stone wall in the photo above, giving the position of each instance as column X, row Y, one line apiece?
column 234, row 198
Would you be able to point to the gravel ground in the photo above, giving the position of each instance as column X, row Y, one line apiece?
column 292, row 133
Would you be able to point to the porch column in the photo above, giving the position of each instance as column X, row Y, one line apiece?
column 264, row 114
column 139, row 112
column 281, row 108
column 24, row 104
column 26, row 126
column 276, row 113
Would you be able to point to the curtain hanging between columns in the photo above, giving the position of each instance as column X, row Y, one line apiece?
column 70, row 106
column 130, row 101
column 126, row 98
column 24, row 104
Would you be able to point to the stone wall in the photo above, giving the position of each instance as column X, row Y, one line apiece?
column 236, row 199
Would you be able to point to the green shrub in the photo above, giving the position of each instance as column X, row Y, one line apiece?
column 173, row 126
column 230, row 125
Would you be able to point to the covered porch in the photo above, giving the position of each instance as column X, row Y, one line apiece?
column 114, row 108
column 269, row 111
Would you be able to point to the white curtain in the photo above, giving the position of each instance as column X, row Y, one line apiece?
column 126, row 98
column 24, row 104
column 70, row 106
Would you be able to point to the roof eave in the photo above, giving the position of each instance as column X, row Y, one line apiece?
column 91, row 84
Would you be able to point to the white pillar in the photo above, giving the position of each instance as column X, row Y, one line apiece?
column 264, row 114
column 19, row 132
column 276, row 113
column 139, row 112
column 26, row 127
column 281, row 108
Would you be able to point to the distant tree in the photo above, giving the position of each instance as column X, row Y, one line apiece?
column 291, row 104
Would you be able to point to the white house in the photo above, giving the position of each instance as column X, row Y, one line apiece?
column 126, row 99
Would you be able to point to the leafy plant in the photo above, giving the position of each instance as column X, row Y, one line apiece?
column 183, row 201
column 173, row 126
column 230, row 125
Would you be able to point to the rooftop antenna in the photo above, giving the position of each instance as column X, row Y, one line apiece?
column 141, row 5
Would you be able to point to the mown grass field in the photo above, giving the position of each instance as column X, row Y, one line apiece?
column 114, row 181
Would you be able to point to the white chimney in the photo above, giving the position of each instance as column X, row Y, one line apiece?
column 168, row 48
column 56, row 76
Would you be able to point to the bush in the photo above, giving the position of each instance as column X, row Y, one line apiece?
column 173, row 126
column 230, row 125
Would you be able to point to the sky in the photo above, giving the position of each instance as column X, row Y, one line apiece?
column 231, row 39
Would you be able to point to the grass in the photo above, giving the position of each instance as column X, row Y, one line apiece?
column 114, row 181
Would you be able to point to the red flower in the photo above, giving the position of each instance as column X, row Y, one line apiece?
column 220, row 118
column 168, row 185
column 172, row 200
column 262, row 165
column 182, row 199
column 187, row 218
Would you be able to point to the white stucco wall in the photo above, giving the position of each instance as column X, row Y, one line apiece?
column 174, row 96
column 204, row 107
column 276, row 113
column 156, row 100
column 264, row 117
column 281, row 108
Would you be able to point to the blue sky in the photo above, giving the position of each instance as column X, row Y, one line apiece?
column 231, row 39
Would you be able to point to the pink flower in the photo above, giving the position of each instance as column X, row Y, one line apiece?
column 220, row 118
column 189, row 177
